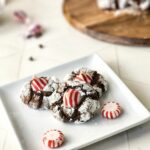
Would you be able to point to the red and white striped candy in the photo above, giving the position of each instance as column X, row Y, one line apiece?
column 21, row 17
column 83, row 77
column 53, row 138
column 71, row 98
column 38, row 84
column 111, row 110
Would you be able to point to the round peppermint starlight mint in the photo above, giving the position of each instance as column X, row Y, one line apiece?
column 111, row 110
column 53, row 138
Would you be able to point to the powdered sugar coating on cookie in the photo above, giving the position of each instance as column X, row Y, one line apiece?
column 26, row 93
column 39, row 99
column 83, row 111
column 88, row 109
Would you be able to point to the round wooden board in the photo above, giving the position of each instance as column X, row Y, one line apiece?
column 103, row 25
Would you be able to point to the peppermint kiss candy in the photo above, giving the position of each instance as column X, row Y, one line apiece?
column 21, row 17
column 38, row 84
column 53, row 138
column 111, row 110
column 71, row 98
column 34, row 30
column 83, row 77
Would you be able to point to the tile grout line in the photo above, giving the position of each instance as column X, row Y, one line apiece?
column 20, row 61
column 117, row 61
column 127, row 137
column 5, row 57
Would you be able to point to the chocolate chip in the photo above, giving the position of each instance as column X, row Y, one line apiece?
column 29, row 36
column 38, row 35
column 41, row 46
column 31, row 58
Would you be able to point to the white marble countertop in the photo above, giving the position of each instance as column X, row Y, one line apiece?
column 63, row 43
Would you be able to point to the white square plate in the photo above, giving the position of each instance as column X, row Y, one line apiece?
column 29, row 125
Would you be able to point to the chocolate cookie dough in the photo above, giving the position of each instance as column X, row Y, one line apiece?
column 74, row 103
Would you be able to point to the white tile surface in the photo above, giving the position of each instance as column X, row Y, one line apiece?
column 108, row 54
column 140, row 90
column 10, row 67
column 63, row 43
column 3, row 134
column 139, row 137
column 136, row 60
column 10, row 142
column 120, row 142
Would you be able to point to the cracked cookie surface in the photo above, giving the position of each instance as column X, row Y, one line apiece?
column 75, row 103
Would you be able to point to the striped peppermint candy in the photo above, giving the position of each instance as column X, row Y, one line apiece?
column 83, row 77
column 34, row 30
column 21, row 17
column 71, row 98
column 111, row 110
column 38, row 84
column 53, row 138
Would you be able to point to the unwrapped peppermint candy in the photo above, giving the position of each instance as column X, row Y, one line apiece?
column 111, row 110
column 53, row 138
column 21, row 17
column 71, row 98
column 34, row 30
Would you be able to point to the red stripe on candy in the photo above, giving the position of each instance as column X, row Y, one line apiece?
column 34, row 86
column 71, row 93
column 107, row 114
column 76, row 98
column 84, row 77
column 53, row 143
column 39, row 81
column 43, row 81
column 49, row 143
column 111, row 115
column 103, row 113
column 38, row 84
column 89, row 77
column 77, row 77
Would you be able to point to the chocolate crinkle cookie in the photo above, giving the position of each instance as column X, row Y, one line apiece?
column 35, row 92
column 75, row 103
column 91, row 77
column 77, row 99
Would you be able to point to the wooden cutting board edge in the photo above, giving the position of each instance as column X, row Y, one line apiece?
column 102, row 36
